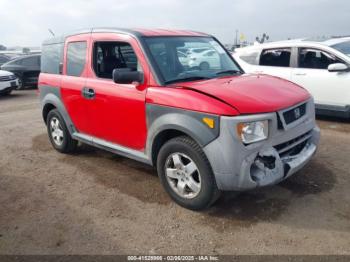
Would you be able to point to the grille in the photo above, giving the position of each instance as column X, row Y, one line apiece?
column 7, row 78
column 294, row 114
column 293, row 144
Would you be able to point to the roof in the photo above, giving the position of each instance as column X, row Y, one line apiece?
column 297, row 42
column 335, row 41
column 136, row 32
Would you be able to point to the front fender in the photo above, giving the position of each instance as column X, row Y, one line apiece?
column 161, row 118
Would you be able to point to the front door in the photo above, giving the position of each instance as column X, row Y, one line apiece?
column 117, row 111
column 327, row 88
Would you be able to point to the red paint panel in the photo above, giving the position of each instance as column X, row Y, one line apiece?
column 117, row 114
column 49, row 80
column 187, row 99
column 252, row 94
column 71, row 88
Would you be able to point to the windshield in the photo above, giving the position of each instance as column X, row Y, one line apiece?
column 180, row 59
column 343, row 47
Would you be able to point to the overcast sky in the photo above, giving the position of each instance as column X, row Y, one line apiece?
column 26, row 23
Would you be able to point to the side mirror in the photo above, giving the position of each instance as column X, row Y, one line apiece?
column 126, row 76
column 338, row 67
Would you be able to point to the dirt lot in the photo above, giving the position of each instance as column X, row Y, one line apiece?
column 94, row 202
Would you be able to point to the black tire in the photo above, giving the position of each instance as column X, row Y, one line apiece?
column 208, row 192
column 6, row 93
column 204, row 66
column 20, row 83
column 68, row 144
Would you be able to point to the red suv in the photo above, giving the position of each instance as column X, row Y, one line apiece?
column 207, row 127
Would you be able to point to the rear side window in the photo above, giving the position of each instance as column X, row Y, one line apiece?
column 30, row 61
column 76, row 58
column 51, row 58
column 276, row 57
column 3, row 59
column 316, row 59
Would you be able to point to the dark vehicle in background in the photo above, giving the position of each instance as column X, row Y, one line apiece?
column 26, row 68
column 4, row 59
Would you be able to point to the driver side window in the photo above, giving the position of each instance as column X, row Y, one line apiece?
column 315, row 59
column 111, row 55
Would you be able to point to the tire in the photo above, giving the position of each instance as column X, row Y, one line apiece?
column 6, row 93
column 20, row 83
column 59, row 135
column 204, row 66
column 175, row 168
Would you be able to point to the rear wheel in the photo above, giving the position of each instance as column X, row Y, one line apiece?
column 186, row 174
column 20, row 83
column 58, row 133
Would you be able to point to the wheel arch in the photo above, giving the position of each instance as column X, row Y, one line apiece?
column 162, row 137
column 46, row 109
column 50, row 101
column 165, row 123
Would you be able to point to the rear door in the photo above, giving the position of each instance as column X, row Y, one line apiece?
column 327, row 88
column 31, row 69
column 275, row 62
column 74, row 79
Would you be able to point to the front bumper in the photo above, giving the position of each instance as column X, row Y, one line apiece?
column 239, row 167
column 8, row 85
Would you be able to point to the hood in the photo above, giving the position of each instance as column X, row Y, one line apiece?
column 251, row 94
column 5, row 73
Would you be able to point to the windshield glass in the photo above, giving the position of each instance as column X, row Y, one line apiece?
column 180, row 59
column 343, row 47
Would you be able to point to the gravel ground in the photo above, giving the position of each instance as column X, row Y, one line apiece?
column 94, row 202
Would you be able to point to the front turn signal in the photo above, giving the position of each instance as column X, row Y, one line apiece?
column 209, row 122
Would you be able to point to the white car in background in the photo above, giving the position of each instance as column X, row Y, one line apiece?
column 205, row 60
column 323, row 68
column 8, row 82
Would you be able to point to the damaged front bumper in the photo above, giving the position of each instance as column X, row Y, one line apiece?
column 241, row 167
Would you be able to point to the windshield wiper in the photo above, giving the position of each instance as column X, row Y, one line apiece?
column 229, row 72
column 190, row 78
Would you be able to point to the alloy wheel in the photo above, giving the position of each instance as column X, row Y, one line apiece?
column 56, row 131
column 183, row 175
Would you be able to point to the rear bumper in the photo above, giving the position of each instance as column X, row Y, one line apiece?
column 238, row 167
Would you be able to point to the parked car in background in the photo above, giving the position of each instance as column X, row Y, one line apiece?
column 8, row 82
column 4, row 59
column 205, row 60
column 206, row 130
column 26, row 68
column 323, row 68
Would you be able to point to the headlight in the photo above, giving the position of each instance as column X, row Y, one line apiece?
column 253, row 131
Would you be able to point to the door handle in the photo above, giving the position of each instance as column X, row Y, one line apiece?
column 300, row 74
column 88, row 93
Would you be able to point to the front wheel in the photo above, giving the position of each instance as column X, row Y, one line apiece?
column 186, row 174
